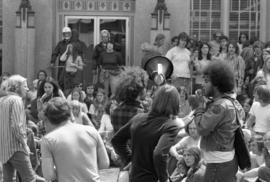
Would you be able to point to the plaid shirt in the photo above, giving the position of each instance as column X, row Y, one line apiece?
column 124, row 112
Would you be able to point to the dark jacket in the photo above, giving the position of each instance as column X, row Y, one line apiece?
column 151, row 139
column 59, row 50
column 217, row 124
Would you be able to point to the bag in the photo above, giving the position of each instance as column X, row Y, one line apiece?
column 241, row 149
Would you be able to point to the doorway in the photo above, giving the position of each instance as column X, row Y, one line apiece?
column 89, row 27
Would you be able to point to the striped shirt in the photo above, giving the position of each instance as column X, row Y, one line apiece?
column 12, row 126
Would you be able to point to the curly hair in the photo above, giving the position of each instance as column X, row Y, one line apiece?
column 221, row 76
column 132, row 82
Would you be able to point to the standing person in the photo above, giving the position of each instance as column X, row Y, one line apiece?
column 57, row 52
column 14, row 152
column 180, row 57
column 152, row 134
column 243, row 38
column 204, row 59
column 259, row 114
column 237, row 64
column 101, row 47
column 74, row 64
column 216, row 124
column 110, row 62
column 70, row 152
column 131, row 88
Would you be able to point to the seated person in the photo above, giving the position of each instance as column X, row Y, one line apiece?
column 193, row 170
column 262, row 173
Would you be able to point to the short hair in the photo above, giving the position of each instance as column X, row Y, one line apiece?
column 263, row 93
column 159, row 37
column 183, row 36
column 42, row 71
column 13, row 82
column 132, row 82
column 196, row 153
column 57, row 110
column 221, row 76
column 175, row 38
column 224, row 37
column 234, row 45
column 166, row 101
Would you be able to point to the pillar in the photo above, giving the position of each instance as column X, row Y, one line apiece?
column 25, row 41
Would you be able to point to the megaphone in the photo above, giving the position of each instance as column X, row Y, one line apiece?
column 159, row 69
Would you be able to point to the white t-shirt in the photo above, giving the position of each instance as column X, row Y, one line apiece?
column 262, row 117
column 180, row 59
column 105, row 124
column 76, row 150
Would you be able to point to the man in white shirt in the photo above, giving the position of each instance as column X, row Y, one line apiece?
column 70, row 152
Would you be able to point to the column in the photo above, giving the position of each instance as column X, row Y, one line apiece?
column 25, row 41
column 160, row 21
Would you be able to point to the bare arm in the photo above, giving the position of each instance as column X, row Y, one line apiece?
column 48, row 166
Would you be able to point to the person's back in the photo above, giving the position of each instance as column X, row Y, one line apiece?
column 76, row 150
column 147, row 146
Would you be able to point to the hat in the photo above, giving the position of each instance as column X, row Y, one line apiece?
column 66, row 30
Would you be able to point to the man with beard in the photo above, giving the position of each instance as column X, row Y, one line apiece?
column 216, row 123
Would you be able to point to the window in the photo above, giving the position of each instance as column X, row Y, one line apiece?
column 205, row 18
column 244, row 17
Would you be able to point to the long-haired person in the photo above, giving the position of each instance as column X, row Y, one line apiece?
column 74, row 64
column 152, row 134
column 204, row 58
column 195, row 169
column 237, row 64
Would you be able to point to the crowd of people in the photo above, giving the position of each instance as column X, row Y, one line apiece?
column 182, row 131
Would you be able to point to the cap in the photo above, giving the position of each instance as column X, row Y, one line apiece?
column 66, row 29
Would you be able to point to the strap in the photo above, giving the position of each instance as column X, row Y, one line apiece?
column 232, row 100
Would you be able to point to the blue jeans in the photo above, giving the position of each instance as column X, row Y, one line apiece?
column 21, row 162
column 221, row 172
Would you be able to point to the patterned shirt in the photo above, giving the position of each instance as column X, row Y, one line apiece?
column 12, row 126
column 124, row 112
column 238, row 65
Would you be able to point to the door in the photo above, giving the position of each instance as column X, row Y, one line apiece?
column 89, row 27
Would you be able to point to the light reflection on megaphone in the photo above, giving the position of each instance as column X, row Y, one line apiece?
column 159, row 69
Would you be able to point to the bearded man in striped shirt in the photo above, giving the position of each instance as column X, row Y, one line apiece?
column 14, row 152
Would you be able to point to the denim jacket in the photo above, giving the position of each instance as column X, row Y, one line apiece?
column 217, row 124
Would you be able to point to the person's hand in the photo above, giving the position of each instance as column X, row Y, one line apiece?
column 179, row 157
column 26, row 149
